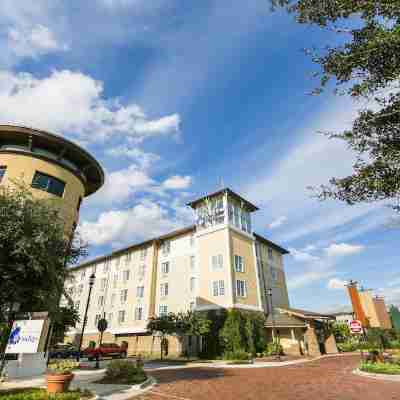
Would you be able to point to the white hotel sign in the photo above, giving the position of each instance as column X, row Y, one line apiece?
column 25, row 336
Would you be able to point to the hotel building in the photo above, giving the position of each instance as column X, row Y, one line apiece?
column 217, row 263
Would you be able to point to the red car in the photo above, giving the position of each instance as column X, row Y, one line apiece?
column 105, row 350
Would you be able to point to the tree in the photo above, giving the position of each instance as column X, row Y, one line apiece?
column 66, row 317
column 366, row 65
column 34, row 252
column 232, row 332
column 180, row 324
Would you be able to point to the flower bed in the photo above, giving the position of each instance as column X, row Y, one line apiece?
column 123, row 373
column 380, row 368
column 41, row 394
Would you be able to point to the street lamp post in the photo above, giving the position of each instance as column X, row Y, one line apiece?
column 92, row 278
column 273, row 324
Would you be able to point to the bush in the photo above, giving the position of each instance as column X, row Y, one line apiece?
column 347, row 347
column 274, row 348
column 237, row 355
column 123, row 372
column 380, row 368
column 41, row 394
column 394, row 344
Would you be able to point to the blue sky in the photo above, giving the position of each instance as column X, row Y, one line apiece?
column 173, row 96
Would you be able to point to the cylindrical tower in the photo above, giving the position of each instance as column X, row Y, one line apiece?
column 53, row 167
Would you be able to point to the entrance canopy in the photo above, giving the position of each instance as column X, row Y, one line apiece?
column 294, row 318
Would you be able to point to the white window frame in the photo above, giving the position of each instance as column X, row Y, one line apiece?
column 165, row 267
column 121, row 317
column 126, row 275
column 123, row 296
column 192, row 284
column 162, row 310
column 142, row 271
column 143, row 254
column 112, row 302
column 100, row 301
column 241, row 288
column 166, row 247
column 139, row 292
column 164, row 288
column 239, row 263
column 139, row 313
column 97, row 318
column 217, row 262
column 128, row 257
column 218, row 288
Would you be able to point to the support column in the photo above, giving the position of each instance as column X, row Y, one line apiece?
column 312, row 341
column 293, row 335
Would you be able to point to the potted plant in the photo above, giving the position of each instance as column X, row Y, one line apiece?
column 59, row 375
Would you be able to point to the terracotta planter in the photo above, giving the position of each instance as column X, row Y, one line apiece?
column 57, row 383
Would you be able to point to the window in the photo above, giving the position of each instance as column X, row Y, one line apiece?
column 106, row 265
column 80, row 289
column 274, row 274
column 192, row 240
column 165, row 247
column 163, row 310
column 143, row 254
column 192, row 263
column 217, row 262
column 103, row 283
column 115, row 281
column 128, row 258
column 241, row 288
column 48, row 183
column 112, row 300
column 218, row 288
column 140, row 291
column 239, row 264
column 236, row 215
column 231, row 213
column 117, row 262
column 2, row 172
column 248, row 222
column 110, row 319
column 121, row 316
column 125, row 275
column 142, row 271
column 164, row 289
column 138, row 313
column 243, row 220
column 94, row 269
column 123, row 296
column 192, row 306
column 83, row 275
column 97, row 319
column 100, row 301
column 192, row 284
column 270, row 254
column 165, row 267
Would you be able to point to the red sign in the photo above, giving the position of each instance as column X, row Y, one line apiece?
column 355, row 326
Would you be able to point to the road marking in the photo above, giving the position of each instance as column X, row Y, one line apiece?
column 167, row 395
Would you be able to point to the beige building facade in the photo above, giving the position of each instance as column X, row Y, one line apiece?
column 217, row 263
column 52, row 167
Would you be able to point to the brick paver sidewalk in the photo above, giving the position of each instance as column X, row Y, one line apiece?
column 325, row 379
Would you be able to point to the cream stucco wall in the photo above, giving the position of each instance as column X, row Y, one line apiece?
column 23, row 167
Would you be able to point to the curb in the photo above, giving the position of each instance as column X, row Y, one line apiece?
column 378, row 377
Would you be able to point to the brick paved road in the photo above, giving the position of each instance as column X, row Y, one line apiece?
column 326, row 379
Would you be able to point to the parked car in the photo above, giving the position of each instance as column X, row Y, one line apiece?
column 105, row 350
column 63, row 351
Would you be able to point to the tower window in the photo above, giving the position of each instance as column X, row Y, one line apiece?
column 2, row 172
column 48, row 183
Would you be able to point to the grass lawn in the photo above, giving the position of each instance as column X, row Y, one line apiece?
column 380, row 368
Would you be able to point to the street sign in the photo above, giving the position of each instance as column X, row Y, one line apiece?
column 102, row 325
column 355, row 326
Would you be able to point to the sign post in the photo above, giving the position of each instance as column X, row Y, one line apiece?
column 356, row 327
column 102, row 327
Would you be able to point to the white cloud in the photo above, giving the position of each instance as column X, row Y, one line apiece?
column 336, row 283
column 142, row 158
column 177, row 182
column 33, row 42
column 143, row 221
column 343, row 249
column 277, row 222
column 302, row 256
column 73, row 103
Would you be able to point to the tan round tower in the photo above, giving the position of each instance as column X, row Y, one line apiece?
column 54, row 168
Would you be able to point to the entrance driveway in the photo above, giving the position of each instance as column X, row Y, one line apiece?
column 325, row 379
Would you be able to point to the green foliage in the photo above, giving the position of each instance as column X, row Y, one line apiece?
column 41, row 394
column 273, row 349
column 341, row 331
column 62, row 367
column 243, row 331
column 34, row 252
column 123, row 372
column 63, row 319
column 394, row 344
column 380, row 368
column 365, row 61
column 213, row 346
column 237, row 355
column 377, row 338
column 348, row 346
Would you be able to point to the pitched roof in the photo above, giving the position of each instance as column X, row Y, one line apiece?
column 230, row 192
column 271, row 244
column 304, row 314
column 282, row 320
